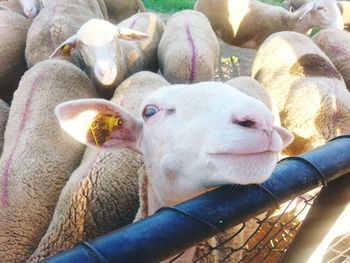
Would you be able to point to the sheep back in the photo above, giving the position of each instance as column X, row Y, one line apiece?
column 13, row 33
column 189, row 50
column 38, row 155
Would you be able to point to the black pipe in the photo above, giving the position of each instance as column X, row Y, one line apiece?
column 173, row 230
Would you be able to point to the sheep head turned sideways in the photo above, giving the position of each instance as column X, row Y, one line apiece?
column 31, row 7
column 320, row 13
column 193, row 137
column 97, row 41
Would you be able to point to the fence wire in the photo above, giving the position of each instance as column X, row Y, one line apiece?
column 265, row 238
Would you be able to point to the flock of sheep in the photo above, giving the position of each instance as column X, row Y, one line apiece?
column 169, row 132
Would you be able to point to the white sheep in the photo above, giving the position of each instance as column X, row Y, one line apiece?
column 4, row 113
column 172, row 122
column 188, row 51
column 344, row 7
column 58, row 20
column 311, row 95
column 38, row 157
column 107, row 54
column 101, row 195
column 335, row 44
column 31, row 7
column 12, row 41
column 119, row 10
column 247, row 23
column 12, row 5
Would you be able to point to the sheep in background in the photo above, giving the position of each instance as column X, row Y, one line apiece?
column 102, row 193
column 32, row 7
column 38, row 157
column 188, row 51
column 344, row 7
column 12, row 5
column 335, row 44
column 58, row 20
column 12, row 41
column 107, row 54
column 311, row 95
column 119, row 10
column 4, row 114
column 168, row 133
column 247, row 23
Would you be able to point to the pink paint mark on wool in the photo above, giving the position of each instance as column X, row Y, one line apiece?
column 133, row 22
column 194, row 53
column 23, row 122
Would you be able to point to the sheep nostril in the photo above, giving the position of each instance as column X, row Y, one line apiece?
column 246, row 123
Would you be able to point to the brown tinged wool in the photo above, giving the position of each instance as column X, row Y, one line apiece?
column 335, row 43
column 55, row 23
column 4, row 113
column 188, row 51
column 13, row 32
column 247, row 23
column 313, row 105
column 119, row 10
column 102, row 193
column 38, row 155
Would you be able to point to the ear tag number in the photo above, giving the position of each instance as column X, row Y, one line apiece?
column 102, row 126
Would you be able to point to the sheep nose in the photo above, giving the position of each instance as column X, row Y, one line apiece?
column 255, row 121
column 106, row 73
column 30, row 12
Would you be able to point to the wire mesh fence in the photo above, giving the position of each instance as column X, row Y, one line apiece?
column 265, row 238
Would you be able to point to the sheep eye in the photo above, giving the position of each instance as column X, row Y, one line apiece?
column 149, row 111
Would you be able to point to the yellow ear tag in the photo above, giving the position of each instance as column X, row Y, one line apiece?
column 102, row 126
column 66, row 50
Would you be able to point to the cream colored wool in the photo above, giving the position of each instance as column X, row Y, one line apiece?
column 189, row 49
column 335, row 43
column 102, row 193
column 12, row 5
column 12, row 41
column 38, row 157
column 119, row 10
column 4, row 113
column 311, row 95
column 247, row 23
column 57, row 21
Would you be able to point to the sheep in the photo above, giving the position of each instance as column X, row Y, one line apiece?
column 247, row 23
column 334, row 43
column 12, row 41
column 57, row 21
column 4, row 113
column 38, row 157
column 344, row 7
column 172, row 119
column 107, row 58
column 12, row 5
column 188, row 51
column 102, row 193
column 119, row 10
column 310, row 94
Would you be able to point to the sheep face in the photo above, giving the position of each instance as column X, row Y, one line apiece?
column 31, row 7
column 193, row 137
column 319, row 13
column 97, row 41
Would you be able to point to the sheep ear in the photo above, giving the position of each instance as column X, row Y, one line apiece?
column 66, row 48
column 286, row 136
column 129, row 34
column 99, row 123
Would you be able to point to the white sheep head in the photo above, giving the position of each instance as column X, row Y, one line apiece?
column 97, row 41
column 31, row 7
column 192, row 137
column 319, row 13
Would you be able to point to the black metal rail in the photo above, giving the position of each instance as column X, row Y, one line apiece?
column 174, row 229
